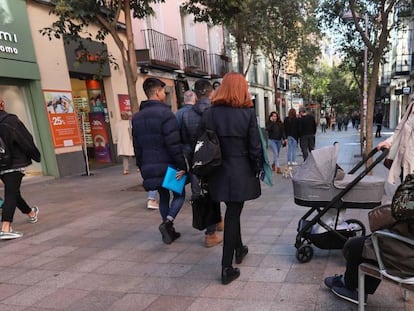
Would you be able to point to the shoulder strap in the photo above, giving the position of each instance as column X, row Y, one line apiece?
column 3, row 117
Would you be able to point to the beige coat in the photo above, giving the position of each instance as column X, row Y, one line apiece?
column 124, row 138
column 402, row 147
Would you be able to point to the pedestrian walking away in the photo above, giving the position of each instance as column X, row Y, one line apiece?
column 20, row 144
column 189, row 126
column 157, row 145
column 123, row 136
column 378, row 121
column 291, row 125
column 237, row 180
column 307, row 131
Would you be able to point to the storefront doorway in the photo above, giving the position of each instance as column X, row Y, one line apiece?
column 90, row 105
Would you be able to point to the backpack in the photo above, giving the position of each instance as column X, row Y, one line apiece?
column 402, row 206
column 5, row 150
column 207, row 152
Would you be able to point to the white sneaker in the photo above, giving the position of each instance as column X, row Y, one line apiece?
column 152, row 204
column 294, row 163
column 10, row 235
column 289, row 163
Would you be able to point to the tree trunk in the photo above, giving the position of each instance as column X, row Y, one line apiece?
column 130, row 66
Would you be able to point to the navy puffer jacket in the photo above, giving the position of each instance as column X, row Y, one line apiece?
column 157, row 142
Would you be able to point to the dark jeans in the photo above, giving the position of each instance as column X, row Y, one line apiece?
column 232, row 236
column 170, row 209
column 353, row 255
column 12, row 196
column 378, row 132
column 307, row 144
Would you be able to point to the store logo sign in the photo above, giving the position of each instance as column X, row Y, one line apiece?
column 8, row 37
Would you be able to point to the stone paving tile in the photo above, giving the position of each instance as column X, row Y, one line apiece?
column 104, row 252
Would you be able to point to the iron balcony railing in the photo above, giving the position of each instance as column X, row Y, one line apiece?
column 402, row 65
column 161, row 50
column 195, row 60
column 219, row 65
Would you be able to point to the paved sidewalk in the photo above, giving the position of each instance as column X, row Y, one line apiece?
column 97, row 247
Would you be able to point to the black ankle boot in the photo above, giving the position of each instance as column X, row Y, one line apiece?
column 241, row 253
column 229, row 274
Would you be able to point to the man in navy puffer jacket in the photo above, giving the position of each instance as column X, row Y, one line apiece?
column 157, row 144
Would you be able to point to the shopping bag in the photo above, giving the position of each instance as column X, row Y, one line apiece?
column 206, row 212
column 170, row 182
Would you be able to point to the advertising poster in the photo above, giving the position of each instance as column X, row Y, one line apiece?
column 124, row 104
column 62, row 118
column 100, row 137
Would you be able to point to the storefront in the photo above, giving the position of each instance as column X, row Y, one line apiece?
column 20, row 80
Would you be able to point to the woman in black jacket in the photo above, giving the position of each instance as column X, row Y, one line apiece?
column 22, row 149
column 291, row 125
column 237, row 179
column 276, row 135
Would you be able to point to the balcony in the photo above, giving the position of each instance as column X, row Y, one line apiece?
column 195, row 60
column 161, row 51
column 219, row 65
column 402, row 66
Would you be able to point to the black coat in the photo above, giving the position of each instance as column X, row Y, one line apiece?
column 291, row 126
column 16, row 135
column 235, row 180
column 157, row 143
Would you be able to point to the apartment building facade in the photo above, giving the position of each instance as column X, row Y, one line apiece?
column 71, row 115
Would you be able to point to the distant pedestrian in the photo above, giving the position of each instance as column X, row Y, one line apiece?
column 123, row 136
column 323, row 123
column 235, row 122
column 378, row 121
column 291, row 126
column 307, row 131
column 23, row 150
column 189, row 101
column 276, row 134
column 157, row 145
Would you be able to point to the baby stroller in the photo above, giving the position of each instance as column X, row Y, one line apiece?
column 324, row 187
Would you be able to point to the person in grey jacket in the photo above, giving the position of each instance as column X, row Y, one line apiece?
column 189, row 126
column 23, row 151
column 236, row 181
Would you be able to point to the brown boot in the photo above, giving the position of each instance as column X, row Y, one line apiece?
column 213, row 239
column 273, row 167
column 220, row 225
column 279, row 170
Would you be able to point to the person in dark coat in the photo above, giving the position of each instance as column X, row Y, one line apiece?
column 291, row 125
column 23, row 151
column 189, row 126
column 157, row 145
column 307, row 131
column 276, row 134
column 236, row 181
column 378, row 121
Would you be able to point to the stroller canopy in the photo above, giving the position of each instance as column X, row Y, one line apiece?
column 319, row 166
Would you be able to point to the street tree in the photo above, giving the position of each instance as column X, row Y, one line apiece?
column 380, row 21
column 289, row 30
column 74, row 18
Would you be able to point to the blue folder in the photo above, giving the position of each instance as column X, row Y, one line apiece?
column 171, row 183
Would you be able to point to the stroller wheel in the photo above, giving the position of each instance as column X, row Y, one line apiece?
column 358, row 227
column 304, row 253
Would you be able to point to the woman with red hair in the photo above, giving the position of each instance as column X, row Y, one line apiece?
column 236, row 181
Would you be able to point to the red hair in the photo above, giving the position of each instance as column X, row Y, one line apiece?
column 233, row 92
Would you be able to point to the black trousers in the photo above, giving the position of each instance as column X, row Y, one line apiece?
column 378, row 132
column 232, row 236
column 12, row 196
column 307, row 144
column 353, row 255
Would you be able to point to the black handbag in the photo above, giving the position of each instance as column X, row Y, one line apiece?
column 206, row 212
